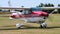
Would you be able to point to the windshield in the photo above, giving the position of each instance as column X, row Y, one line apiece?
column 36, row 9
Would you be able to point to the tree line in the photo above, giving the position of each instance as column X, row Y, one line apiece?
column 48, row 5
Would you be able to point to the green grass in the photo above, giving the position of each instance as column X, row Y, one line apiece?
column 8, row 26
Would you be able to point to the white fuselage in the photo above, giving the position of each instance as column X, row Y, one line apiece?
column 30, row 18
column 33, row 19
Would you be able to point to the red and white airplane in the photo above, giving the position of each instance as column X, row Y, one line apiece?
column 33, row 15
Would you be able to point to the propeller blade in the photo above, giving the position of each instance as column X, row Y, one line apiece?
column 50, row 18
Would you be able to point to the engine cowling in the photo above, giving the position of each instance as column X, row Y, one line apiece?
column 14, row 15
column 40, row 13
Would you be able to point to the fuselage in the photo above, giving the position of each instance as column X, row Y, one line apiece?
column 30, row 16
column 33, row 17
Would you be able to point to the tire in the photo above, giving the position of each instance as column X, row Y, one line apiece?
column 18, row 27
column 43, row 25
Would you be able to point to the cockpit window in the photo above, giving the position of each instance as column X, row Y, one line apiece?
column 36, row 9
column 25, row 12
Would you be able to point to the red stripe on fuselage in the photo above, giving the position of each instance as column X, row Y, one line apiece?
column 25, row 16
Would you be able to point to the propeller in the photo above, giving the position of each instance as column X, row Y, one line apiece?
column 51, row 17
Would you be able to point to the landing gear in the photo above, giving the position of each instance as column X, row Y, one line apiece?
column 18, row 28
column 43, row 25
column 18, row 25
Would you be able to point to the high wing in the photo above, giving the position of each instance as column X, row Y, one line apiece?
column 44, row 8
column 13, row 8
column 49, row 8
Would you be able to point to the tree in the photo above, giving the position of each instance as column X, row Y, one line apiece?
column 58, row 9
column 41, row 5
column 49, row 5
column 22, row 6
column 52, row 5
column 46, row 5
column 58, row 5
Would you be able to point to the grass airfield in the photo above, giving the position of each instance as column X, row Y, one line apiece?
column 8, row 26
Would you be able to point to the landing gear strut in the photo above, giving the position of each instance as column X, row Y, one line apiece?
column 43, row 25
column 18, row 25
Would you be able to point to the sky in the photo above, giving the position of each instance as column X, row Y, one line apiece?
column 27, row 3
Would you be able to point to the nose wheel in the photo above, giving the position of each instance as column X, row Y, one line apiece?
column 43, row 25
column 18, row 25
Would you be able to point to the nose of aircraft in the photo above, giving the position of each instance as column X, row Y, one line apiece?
column 45, row 14
column 41, row 13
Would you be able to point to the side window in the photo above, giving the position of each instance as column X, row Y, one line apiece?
column 26, row 12
column 30, row 11
column 22, row 11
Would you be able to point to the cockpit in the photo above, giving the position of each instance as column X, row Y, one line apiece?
column 36, row 9
column 23, row 11
column 29, row 11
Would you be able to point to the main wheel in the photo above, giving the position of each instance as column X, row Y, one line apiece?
column 43, row 25
column 18, row 25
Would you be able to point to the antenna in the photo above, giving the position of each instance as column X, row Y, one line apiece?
column 9, row 4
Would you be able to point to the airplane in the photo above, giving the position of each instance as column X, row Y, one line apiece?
column 31, row 15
